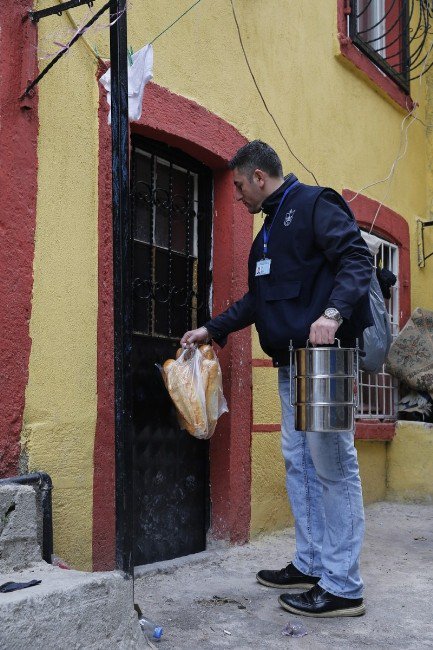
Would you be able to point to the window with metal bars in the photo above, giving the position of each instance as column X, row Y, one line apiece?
column 171, row 216
column 381, row 29
column 379, row 391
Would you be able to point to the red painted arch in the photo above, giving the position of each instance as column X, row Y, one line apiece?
column 18, row 186
column 182, row 123
column 392, row 227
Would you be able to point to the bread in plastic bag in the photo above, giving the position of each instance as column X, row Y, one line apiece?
column 194, row 382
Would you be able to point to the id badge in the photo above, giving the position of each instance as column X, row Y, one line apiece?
column 263, row 267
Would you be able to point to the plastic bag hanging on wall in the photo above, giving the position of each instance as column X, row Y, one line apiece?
column 139, row 73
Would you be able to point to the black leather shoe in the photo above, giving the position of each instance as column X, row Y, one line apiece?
column 320, row 603
column 286, row 578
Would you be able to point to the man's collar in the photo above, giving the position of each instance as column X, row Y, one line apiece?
column 271, row 202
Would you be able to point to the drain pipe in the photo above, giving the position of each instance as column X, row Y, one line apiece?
column 43, row 482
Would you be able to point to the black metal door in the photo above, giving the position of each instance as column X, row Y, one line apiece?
column 171, row 207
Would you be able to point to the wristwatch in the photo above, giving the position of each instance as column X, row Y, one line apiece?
column 333, row 314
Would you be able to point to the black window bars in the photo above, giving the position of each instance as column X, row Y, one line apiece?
column 394, row 35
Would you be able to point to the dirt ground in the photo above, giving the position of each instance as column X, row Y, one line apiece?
column 212, row 600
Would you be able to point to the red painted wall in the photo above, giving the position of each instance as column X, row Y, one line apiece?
column 104, row 522
column 18, row 186
column 392, row 227
column 182, row 123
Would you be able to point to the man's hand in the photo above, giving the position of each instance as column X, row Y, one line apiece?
column 322, row 331
column 200, row 335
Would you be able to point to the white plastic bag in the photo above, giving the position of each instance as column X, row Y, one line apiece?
column 194, row 382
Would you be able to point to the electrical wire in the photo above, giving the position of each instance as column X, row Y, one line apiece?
column 393, row 168
column 96, row 54
column 263, row 99
column 398, row 157
column 403, row 142
column 79, row 32
column 175, row 21
column 65, row 49
column 84, row 39
column 81, row 29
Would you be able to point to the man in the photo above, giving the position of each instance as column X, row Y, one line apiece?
column 309, row 273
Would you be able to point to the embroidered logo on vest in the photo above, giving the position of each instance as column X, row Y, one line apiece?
column 289, row 217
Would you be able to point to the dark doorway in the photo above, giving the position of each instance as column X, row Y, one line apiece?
column 171, row 208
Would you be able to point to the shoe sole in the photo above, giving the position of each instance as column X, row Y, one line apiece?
column 291, row 585
column 352, row 611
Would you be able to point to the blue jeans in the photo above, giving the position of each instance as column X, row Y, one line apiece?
column 324, row 488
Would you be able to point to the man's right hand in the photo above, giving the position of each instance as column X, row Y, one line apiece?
column 200, row 335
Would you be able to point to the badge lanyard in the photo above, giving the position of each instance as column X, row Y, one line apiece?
column 266, row 233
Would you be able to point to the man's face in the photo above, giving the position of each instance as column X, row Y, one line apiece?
column 250, row 192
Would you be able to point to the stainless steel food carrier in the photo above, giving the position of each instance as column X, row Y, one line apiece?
column 326, row 384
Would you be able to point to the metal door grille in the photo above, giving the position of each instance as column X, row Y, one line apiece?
column 379, row 391
column 168, row 298
column 171, row 207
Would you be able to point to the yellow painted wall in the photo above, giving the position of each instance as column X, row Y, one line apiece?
column 410, row 463
column 372, row 464
column 60, row 411
column 269, row 504
column 336, row 123
column 266, row 402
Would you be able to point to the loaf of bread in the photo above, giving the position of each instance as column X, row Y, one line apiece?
column 207, row 351
column 185, row 393
column 194, row 382
column 183, row 423
column 211, row 369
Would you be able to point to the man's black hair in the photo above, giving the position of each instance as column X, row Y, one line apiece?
column 257, row 155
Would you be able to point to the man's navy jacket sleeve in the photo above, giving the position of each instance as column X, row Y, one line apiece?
column 335, row 233
column 340, row 240
column 236, row 317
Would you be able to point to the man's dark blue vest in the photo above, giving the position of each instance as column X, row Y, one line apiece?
column 318, row 260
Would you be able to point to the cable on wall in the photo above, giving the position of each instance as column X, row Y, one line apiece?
column 411, row 115
column 263, row 99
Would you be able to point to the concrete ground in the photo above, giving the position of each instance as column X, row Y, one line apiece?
column 211, row 600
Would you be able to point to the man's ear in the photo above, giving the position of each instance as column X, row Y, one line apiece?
column 260, row 177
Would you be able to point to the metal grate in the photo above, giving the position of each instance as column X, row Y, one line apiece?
column 394, row 35
column 171, row 210
column 168, row 298
column 379, row 391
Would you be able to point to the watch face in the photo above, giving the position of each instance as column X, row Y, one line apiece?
column 333, row 313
